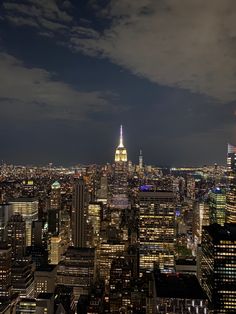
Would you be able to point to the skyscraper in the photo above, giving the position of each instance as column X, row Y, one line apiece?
column 16, row 236
column 55, row 199
column 218, row 266
column 77, row 270
column 217, row 203
column 140, row 160
column 28, row 208
column 231, row 205
column 120, row 197
column 79, row 212
column 5, row 271
column 231, row 159
column 231, row 193
column 156, row 229
column 5, row 214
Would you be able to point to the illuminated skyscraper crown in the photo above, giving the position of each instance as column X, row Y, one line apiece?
column 121, row 153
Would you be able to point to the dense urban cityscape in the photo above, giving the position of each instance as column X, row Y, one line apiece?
column 125, row 237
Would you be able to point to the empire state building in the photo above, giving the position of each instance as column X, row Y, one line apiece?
column 120, row 186
column 121, row 153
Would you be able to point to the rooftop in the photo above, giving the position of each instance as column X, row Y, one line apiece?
column 178, row 285
column 218, row 232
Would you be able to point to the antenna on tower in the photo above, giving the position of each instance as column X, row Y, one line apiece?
column 140, row 159
column 121, row 137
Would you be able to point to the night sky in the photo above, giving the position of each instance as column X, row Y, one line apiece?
column 72, row 71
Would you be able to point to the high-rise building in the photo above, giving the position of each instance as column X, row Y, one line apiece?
column 23, row 278
column 231, row 205
column 94, row 222
column 77, row 270
column 53, row 221
column 231, row 192
column 140, row 160
column 5, row 271
column 120, row 286
column 107, row 251
column 231, row 160
column 55, row 197
column 56, row 249
column 28, row 208
column 217, row 204
column 218, row 266
column 45, row 279
column 120, row 186
column 16, row 236
column 198, row 214
column 156, row 229
column 79, row 213
column 5, row 214
column 102, row 193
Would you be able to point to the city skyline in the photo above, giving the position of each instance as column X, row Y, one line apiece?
column 73, row 71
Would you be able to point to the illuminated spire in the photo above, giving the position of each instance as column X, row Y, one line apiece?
column 121, row 153
column 121, row 145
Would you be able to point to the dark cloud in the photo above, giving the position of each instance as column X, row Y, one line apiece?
column 188, row 44
column 33, row 93
column 38, row 13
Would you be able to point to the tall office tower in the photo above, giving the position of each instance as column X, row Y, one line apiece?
column 120, row 187
column 231, row 161
column 217, row 204
column 5, row 271
column 231, row 192
column 55, row 197
column 230, row 208
column 94, row 221
column 28, row 208
column 37, row 234
column 102, row 193
column 190, row 185
column 198, row 213
column 218, row 266
column 77, row 270
column 140, row 160
column 16, row 236
column 5, row 214
column 156, row 229
column 56, row 249
column 23, row 278
column 107, row 251
column 53, row 221
column 79, row 213
column 120, row 286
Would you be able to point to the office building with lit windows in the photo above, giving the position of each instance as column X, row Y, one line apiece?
column 218, row 266
column 28, row 208
column 79, row 212
column 45, row 279
column 120, row 186
column 5, row 214
column 231, row 205
column 231, row 159
column 77, row 270
column 106, row 252
column 5, row 271
column 16, row 236
column 156, row 229
column 93, row 222
column 217, row 204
